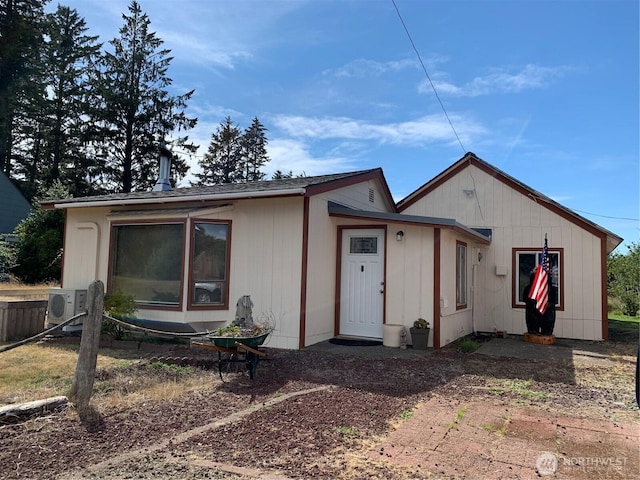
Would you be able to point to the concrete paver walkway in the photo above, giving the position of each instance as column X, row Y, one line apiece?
column 490, row 441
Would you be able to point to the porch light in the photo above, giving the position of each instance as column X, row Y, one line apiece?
column 399, row 235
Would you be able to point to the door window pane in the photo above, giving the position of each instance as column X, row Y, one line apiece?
column 363, row 245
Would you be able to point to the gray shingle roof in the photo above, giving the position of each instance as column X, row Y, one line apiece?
column 279, row 187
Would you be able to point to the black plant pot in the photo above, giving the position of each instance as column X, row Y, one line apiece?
column 420, row 337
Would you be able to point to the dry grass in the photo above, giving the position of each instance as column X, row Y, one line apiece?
column 19, row 291
column 33, row 372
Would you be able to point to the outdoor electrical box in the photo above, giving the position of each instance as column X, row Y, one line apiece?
column 65, row 303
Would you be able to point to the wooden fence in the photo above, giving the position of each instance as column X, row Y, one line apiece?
column 21, row 319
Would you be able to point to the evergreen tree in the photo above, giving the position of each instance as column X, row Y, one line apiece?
column 223, row 161
column 279, row 175
column 69, row 57
column 20, row 40
column 137, row 111
column 50, row 133
column 254, row 151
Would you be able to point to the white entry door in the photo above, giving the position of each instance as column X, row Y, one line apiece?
column 362, row 283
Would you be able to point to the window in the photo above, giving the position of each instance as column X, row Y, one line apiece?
column 209, row 264
column 525, row 262
column 146, row 262
column 461, row 275
column 363, row 245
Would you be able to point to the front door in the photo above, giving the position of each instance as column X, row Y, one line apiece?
column 362, row 283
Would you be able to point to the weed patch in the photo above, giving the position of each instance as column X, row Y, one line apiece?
column 468, row 345
column 521, row 388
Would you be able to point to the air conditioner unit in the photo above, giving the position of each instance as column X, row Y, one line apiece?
column 64, row 303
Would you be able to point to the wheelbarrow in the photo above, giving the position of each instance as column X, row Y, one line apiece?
column 236, row 350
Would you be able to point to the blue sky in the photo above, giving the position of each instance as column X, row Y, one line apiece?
column 546, row 91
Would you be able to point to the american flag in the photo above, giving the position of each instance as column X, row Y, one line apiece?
column 540, row 288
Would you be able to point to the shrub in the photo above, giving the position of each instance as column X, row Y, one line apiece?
column 624, row 279
column 117, row 305
column 468, row 346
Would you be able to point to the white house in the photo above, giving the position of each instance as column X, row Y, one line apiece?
column 333, row 255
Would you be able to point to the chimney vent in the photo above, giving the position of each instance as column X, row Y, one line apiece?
column 164, row 184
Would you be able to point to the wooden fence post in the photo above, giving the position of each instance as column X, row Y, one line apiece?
column 82, row 387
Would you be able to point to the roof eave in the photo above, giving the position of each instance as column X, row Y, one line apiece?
column 173, row 199
column 346, row 212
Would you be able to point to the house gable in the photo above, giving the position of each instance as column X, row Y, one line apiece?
column 479, row 195
column 470, row 159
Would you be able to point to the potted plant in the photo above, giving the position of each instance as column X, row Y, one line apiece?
column 420, row 334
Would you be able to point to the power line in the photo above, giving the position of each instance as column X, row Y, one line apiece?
column 607, row 216
column 427, row 75
column 535, row 198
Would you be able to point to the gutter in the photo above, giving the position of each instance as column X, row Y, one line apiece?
column 177, row 199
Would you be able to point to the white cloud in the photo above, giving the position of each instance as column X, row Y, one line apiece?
column 427, row 129
column 363, row 68
column 497, row 81
column 203, row 51
column 293, row 155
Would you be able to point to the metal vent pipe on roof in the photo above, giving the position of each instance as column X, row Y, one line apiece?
column 164, row 183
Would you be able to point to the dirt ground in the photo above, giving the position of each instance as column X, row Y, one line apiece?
column 332, row 414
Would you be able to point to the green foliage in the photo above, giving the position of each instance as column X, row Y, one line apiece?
column 623, row 279
column 406, row 414
column 118, row 303
column 230, row 330
column 69, row 57
column 21, row 34
column 75, row 112
column 421, row 323
column 346, row 432
column 135, row 108
column 223, row 161
column 234, row 156
column 279, row 175
column 7, row 255
column 40, row 240
column 254, row 151
column 468, row 346
column 170, row 369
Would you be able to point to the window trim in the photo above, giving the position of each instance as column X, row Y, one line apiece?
column 224, row 305
column 164, row 221
column 515, row 269
column 462, row 306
